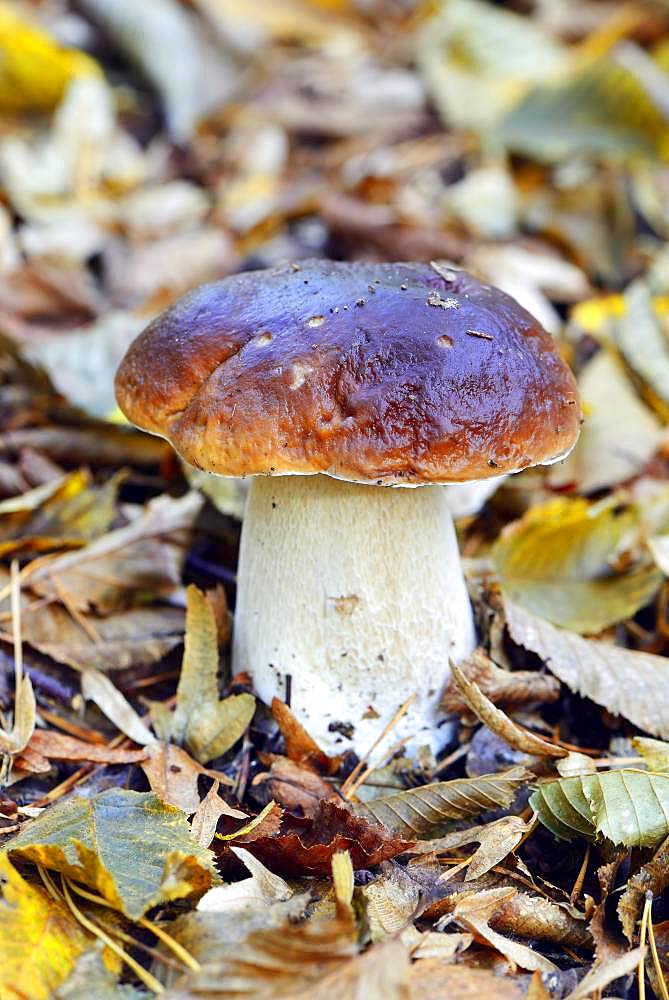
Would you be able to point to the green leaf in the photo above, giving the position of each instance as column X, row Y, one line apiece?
column 416, row 812
column 558, row 562
column 208, row 727
column 626, row 806
column 133, row 849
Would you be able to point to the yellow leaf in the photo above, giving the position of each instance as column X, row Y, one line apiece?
column 39, row 940
column 559, row 561
column 34, row 69
column 594, row 316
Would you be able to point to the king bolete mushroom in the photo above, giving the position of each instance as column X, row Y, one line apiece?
column 332, row 383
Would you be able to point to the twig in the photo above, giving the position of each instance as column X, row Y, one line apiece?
column 382, row 735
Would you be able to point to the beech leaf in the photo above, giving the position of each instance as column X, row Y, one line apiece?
column 130, row 847
column 558, row 562
column 417, row 811
column 625, row 806
column 625, row 682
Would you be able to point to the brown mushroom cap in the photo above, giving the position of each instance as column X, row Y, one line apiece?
column 380, row 373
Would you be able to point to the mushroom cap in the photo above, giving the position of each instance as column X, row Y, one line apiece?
column 395, row 374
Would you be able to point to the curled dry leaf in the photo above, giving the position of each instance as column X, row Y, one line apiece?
column 173, row 776
column 508, row 688
column 628, row 683
column 601, row 975
column 475, row 912
column 391, row 902
column 558, row 562
column 39, row 939
column 129, row 847
column 416, row 812
column 625, row 806
column 496, row 840
column 499, row 723
column 300, row 746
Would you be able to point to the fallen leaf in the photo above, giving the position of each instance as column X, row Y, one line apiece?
column 262, row 888
column 207, row 815
column 173, row 776
column 508, row 688
column 655, row 753
column 558, row 562
column 391, row 903
column 39, row 939
column 124, row 563
column 300, row 746
column 59, row 746
column 624, row 806
column 306, row 846
column 542, row 920
column 298, row 789
column 433, row 979
column 97, row 687
column 623, row 681
column 417, row 811
column 499, row 723
column 207, row 726
column 600, row 976
column 639, row 336
column 90, row 978
column 475, row 912
column 130, row 847
column 495, row 840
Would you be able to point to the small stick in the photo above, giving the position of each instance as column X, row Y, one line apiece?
column 402, row 710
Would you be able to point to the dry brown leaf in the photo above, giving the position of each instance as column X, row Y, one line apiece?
column 262, row 889
column 391, row 903
column 508, row 688
column 207, row 815
column 434, row 979
column 475, row 912
column 625, row 682
column 496, row 840
column 306, row 846
column 542, row 920
column 300, row 746
column 499, row 723
column 173, row 776
column 600, row 976
column 59, row 746
column 296, row 788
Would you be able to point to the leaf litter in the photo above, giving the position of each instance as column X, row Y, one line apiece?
column 161, row 829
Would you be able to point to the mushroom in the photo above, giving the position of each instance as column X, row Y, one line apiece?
column 331, row 383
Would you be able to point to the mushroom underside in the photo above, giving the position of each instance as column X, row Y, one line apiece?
column 350, row 599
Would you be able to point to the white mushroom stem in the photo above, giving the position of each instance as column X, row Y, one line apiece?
column 465, row 499
column 350, row 598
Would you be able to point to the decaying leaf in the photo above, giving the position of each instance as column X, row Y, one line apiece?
column 625, row 806
column 130, row 847
column 39, row 939
column 632, row 684
column 511, row 689
column 432, row 979
column 300, row 747
column 391, row 903
column 206, row 725
column 541, row 920
column 499, row 723
column 417, row 811
column 173, row 776
column 655, row 753
column 90, row 978
column 475, row 912
column 296, row 788
column 306, row 846
column 495, row 840
column 558, row 562
column 60, row 746
column 600, row 976
column 207, row 815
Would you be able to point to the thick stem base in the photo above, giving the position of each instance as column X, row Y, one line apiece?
column 350, row 598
